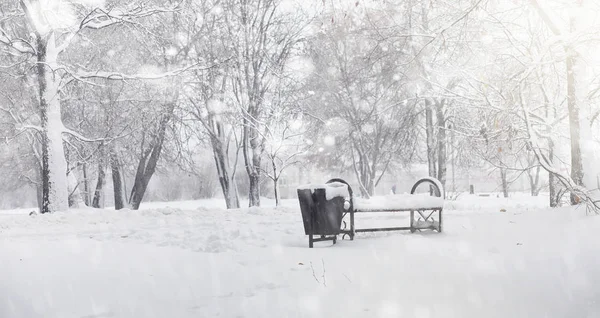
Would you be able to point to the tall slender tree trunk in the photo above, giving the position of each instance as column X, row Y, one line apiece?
column 148, row 161
column 75, row 198
column 573, row 100
column 534, row 181
column 585, row 157
column 576, row 162
column 537, row 182
column 55, row 194
column 504, row 182
column 360, row 166
column 441, row 141
column 117, row 177
column 86, row 186
column 38, row 187
column 371, row 186
column 453, row 158
column 276, row 191
column 275, row 181
column 254, row 191
column 552, row 182
column 98, row 193
column 226, row 180
column 430, row 133
column 367, row 175
column 39, row 196
column 251, row 146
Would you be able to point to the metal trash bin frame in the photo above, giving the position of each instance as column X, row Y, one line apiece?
column 321, row 217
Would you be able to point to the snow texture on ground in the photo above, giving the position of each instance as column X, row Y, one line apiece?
column 195, row 261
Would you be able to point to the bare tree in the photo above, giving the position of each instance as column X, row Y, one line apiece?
column 261, row 37
column 575, row 74
column 50, row 38
column 209, row 96
column 284, row 148
column 369, row 116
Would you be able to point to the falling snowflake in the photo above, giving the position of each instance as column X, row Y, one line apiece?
column 329, row 140
column 296, row 124
column 217, row 10
column 172, row 51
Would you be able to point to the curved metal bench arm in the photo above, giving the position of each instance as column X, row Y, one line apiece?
column 437, row 187
column 433, row 183
column 351, row 208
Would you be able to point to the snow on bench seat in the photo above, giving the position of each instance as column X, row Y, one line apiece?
column 398, row 202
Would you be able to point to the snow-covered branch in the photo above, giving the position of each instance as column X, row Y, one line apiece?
column 100, row 18
column 81, row 137
column 83, row 75
column 581, row 192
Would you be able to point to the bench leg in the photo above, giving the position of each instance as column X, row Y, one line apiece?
column 352, row 226
column 412, row 221
column 440, row 221
column 310, row 241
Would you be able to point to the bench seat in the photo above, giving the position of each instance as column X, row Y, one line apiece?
column 398, row 202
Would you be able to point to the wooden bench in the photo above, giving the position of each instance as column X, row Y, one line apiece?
column 425, row 210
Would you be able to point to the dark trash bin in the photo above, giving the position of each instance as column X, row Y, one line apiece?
column 321, row 216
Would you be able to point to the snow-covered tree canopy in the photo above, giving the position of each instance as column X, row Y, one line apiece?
column 106, row 94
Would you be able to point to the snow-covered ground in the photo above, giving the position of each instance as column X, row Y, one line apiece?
column 194, row 259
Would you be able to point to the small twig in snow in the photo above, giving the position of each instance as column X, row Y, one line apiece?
column 324, row 280
column 347, row 277
column 313, row 272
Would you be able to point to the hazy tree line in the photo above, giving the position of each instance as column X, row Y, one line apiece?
column 96, row 91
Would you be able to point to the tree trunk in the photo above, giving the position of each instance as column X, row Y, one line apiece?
column 86, row 186
column 99, row 186
column 99, row 191
column 534, row 181
column 55, row 192
column 431, row 147
column 276, row 191
column 148, row 162
column 227, row 182
column 39, row 196
column 254, row 192
column 573, row 103
column 275, row 181
column 576, row 162
column 504, row 182
column 364, row 177
column 251, row 146
column 453, row 158
column 441, row 141
column 75, row 199
column 552, row 179
column 361, row 168
column 140, row 184
column 372, row 176
column 118, row 189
